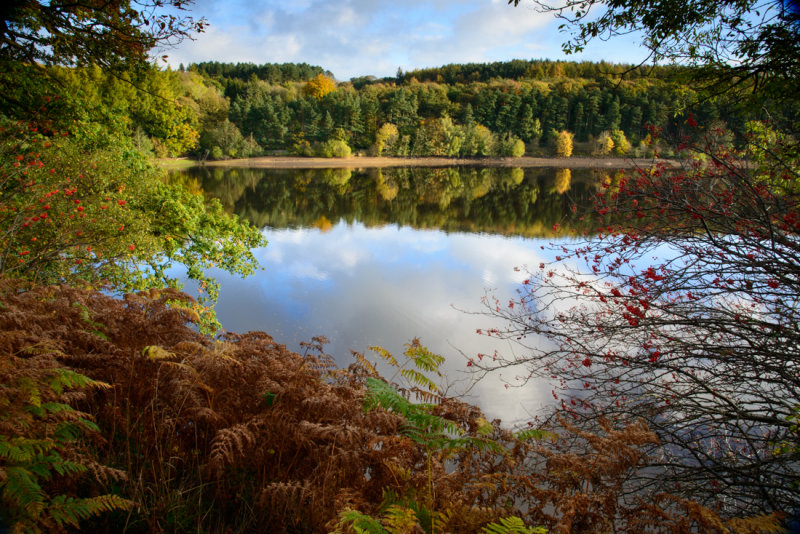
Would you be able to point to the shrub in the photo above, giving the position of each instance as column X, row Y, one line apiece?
column 511, row 146
column 107, row 217
column 334, row 148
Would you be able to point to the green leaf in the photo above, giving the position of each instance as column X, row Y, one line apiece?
column 269, row 398
column 415, row 377
column 360, row 523
column 423, row 358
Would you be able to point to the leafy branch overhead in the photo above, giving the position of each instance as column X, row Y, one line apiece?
column 83, row 32
column 748, row 43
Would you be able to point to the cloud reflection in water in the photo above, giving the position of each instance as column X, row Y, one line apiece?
column 362, row 286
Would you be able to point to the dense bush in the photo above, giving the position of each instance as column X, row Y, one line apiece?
column 334, row 148
column 107, row 217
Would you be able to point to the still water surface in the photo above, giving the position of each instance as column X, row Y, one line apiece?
column 383, row 256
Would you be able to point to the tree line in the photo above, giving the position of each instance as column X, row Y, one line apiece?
column 461, row 110
column 218, row 110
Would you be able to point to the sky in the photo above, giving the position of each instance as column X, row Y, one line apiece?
column 354, row 38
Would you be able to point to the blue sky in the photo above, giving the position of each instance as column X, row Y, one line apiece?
column 375, row 37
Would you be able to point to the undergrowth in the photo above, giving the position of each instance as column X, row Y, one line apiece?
column 117, row 415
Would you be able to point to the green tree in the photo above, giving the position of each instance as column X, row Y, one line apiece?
column 327, row 126
column 105, row 216
column 479, row 141
column 612, row 116
column 112, row 35
column 529, row 127
column 468, row 118
column 334, row 148
column 510, row 146
column 229, row 140
column 621, row 144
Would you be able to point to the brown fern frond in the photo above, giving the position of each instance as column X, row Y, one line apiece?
column 230, row 443
column 285, row 499
column 103, row 473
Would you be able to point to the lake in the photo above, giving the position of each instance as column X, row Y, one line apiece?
column 381, row 256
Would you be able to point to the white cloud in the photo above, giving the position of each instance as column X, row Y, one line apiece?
column 361, row 37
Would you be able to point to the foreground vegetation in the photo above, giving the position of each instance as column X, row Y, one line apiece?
column 676, row 383
column 168, row 430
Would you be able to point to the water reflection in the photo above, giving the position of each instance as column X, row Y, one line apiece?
column 378, row 258
column 508, row 201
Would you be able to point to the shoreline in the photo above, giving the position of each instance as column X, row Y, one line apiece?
column 370, row 162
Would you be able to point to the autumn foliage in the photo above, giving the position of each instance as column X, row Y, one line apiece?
column 180, row 432
column 319, row 86
column 702, row 344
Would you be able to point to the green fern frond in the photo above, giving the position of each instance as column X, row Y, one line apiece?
column 423, row 358
column 72, row 430
column 381, row 394
column 56, row 407
column 65, row 467
column 23, row 490
column 482, row 443
column 512, row 525
column 70, row 511
column 28, row 386
column 355, row 521
column 66, row 379
column 400, row 520
column 35, row 410
column 415, row 377
column 21, row 449
column 85, row 315
column 422, row 426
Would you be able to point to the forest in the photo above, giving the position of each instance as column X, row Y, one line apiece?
column 124, row 407
column 218, row 111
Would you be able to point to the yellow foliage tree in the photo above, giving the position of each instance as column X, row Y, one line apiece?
column 604, row 144
column 564, row 144
column 621, row 143
column 319, row 86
